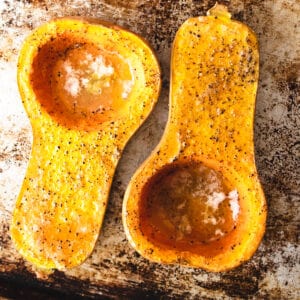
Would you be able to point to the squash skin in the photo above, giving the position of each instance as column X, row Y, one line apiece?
column 214, row 76
column 61, row 205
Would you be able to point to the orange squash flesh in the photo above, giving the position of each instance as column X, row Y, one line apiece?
column 197, row 199
column 86, row 87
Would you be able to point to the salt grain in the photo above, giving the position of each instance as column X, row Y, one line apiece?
column 100, row 69
column 215, row 199
column 127, row 86
column 72, row 84
column 219, row 232
column 234, row 204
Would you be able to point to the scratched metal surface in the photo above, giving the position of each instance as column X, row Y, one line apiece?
column 114, row 270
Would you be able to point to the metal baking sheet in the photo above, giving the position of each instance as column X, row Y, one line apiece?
column 115, row 270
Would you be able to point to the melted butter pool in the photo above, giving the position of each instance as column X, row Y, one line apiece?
column 92, row 80
column 188, row 204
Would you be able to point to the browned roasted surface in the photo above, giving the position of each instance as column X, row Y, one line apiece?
column 114, row 269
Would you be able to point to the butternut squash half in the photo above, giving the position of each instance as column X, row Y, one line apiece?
column 86, row 87
column 197, row 199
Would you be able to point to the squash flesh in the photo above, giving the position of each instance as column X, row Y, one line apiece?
column 214, row 74
column 61, row 205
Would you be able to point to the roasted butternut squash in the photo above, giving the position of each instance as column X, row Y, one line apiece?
column 197, row 199
column 86, row 87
